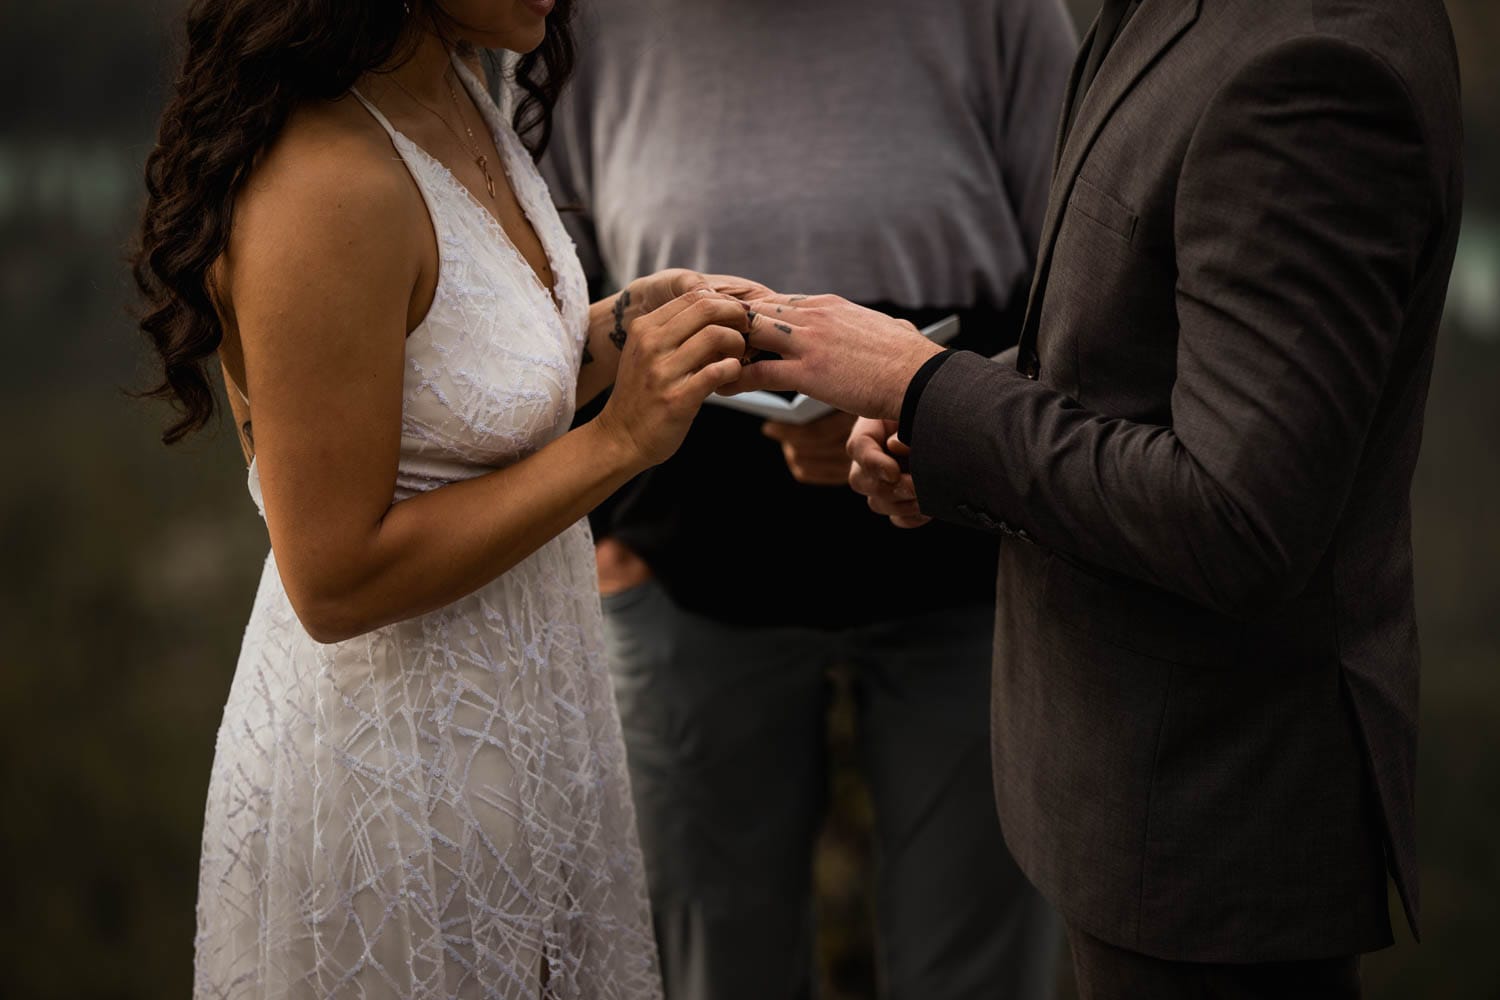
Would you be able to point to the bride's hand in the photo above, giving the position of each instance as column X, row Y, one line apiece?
column 741, row 288
column 671, row 360
column 653, row 291
column 650, row 292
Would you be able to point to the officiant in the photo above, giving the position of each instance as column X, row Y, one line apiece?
column 914, row 179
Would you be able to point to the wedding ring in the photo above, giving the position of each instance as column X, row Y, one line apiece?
column 750, row 315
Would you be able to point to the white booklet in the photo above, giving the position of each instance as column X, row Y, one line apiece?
column 801, row 409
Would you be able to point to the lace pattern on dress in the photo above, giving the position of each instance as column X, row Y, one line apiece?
column 440, row 808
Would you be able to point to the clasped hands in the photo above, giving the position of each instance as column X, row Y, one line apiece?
column 855, row 359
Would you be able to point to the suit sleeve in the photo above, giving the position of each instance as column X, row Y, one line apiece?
column 1304, row 203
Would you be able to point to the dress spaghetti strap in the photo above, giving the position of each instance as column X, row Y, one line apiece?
column 235, row 386
column 375, row 113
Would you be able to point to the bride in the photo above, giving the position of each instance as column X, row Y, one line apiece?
column 419, row 786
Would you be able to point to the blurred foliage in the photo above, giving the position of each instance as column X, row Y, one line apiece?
column 130, row 568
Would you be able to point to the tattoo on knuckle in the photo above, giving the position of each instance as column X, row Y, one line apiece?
column 618, row 335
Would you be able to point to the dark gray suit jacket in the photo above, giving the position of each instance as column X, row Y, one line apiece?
column 1205, row 698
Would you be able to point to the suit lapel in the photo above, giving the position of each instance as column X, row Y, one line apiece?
column 1071, row 94
column 1153, row 29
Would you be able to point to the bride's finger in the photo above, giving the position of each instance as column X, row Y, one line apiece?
column 776, row 376
column 740, row 288
column 683, row 321
column 710, row 344
column 714, row 378
column 686, row 299
column 683, row 300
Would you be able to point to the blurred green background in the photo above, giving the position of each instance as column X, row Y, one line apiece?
column 129, row 569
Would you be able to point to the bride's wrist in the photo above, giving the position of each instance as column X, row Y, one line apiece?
column 614, row 448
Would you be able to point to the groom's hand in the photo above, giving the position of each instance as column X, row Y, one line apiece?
column 858, row 360
column 879, row 472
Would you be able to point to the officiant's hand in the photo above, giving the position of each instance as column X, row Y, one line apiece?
column 816, row 452
column 880, row 472
column 853, row 358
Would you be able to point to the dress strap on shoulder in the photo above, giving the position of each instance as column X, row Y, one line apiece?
column 237, row 390
column 375, row 113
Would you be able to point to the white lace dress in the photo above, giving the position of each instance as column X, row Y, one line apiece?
column 440, row 808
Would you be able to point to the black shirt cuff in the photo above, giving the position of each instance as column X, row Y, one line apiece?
column 914, row 393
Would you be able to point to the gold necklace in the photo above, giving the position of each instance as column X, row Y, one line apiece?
column 482, row 161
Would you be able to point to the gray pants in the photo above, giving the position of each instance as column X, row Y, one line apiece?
column 724, row 727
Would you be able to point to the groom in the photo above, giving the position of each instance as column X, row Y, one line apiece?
column 1199, row 459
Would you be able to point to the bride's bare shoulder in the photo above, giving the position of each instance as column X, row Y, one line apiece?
column 331, row 169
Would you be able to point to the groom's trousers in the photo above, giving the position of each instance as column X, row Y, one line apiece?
column 725, row 731
column 1106, row 972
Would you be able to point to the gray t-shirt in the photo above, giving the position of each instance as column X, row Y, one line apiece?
column 886, row 150
column 897, row 152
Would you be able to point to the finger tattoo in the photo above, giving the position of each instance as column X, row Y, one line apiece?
column 783, row 328
column 617, row 335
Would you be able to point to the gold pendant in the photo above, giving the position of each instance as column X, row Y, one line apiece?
column 484, row 168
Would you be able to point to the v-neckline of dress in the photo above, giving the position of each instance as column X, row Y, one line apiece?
column 503, row 148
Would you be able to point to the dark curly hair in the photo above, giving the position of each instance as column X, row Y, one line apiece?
column 249, row 64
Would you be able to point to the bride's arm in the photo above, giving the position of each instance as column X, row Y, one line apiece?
column 320, row 274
